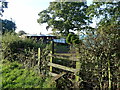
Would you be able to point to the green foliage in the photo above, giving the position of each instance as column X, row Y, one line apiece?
column 15, row 76
column 72, row 39
column 68, row 39
column 44, row 59
column 21, row 32
column 4, row 4
column 100, row 53
column 107, row 12
column 49, row 83
column 25, row 51
column 64, row 83
column 100, row 61
column 71, row 16
column 12, row 45
column 8, row 26
column 106, row 44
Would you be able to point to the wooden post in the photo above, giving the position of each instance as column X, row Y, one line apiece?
column 51, row 58
column 52, row 52
column 78, row 65
column 39, row 53
column 78, row 69
column 52, row 42
column 39, row 56
column 109, row 75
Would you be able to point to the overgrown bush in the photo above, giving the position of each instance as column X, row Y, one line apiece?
column 25, row 51
column 13, row 47
column 99, row 57
column 15, row 76
column 23, row 68
column 73, row 39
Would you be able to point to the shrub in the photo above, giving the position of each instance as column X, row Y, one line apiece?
column 12, row 46
column 99, row 58
column 73, row 39
column 15, row 76
column 49, row 83
column 25, row 51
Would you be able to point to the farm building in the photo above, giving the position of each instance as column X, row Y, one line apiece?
column 40, row 36
column 45, row 37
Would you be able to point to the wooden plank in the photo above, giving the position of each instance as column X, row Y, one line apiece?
column 58, row 76
column 53, row 74
column 62, row 67
column 65, row 57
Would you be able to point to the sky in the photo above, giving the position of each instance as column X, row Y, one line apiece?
column 25, row 14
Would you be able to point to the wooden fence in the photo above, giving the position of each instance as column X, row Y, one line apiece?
column 65, row 68
column 51, row 65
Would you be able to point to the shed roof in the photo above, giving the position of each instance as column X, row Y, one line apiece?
column 39, row 35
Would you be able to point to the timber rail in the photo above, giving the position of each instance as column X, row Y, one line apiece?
column 51, row 64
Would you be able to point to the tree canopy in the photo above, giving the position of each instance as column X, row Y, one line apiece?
column 8, row 26
column 109, row 23
column 73, row 39
column 65, row 17
column 4, row 4
column 107, row 13
column 21, row 32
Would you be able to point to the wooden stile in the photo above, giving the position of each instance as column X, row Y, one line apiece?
column 62, row 67
column 51, row 64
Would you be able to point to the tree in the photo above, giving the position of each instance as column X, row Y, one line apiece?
column 65, row 17
column 21, row 32
column 109, row 20
column 4, row 4
column 107, row 12
column 105, row 47
column 73, row 39
column 8, row 26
